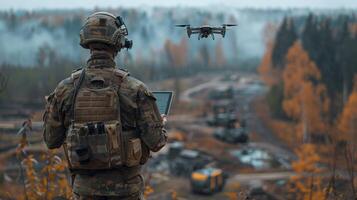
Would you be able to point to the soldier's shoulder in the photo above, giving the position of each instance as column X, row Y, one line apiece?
column 139, row 88
column 66, row 85
column 134, row 84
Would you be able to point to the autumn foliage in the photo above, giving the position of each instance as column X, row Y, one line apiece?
column 176, row 53
column 307, row 184
column 43, row 177
column 269, row 75
column 348, row 120
column 317, row 117
column 305, row 98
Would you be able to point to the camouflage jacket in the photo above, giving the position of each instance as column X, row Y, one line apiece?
column 118, row 182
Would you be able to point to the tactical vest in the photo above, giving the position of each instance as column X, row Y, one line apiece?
column 95, row 139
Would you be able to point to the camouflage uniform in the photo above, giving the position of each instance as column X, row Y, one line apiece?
column 138, row 111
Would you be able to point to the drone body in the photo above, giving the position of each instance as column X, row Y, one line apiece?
column 205, row 31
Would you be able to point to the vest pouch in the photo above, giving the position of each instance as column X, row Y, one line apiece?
column 77, row 148
column 113, row 131
column 99, row 152
column 87, row 151
column 134, row 152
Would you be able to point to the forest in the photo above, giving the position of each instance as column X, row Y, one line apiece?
column 311, row 70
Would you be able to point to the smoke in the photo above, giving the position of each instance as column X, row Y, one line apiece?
column 21, row 45
column 149, row 28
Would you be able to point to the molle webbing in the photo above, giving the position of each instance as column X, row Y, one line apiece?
column 95, row 106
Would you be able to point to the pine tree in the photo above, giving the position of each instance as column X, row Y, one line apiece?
column 285, row 38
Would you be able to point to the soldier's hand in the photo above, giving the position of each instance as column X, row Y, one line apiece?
column 164, row 119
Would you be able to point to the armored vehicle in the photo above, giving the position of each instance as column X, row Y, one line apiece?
column 227, row 94
column 182, row 162
column 231, row 135
column 223, row 114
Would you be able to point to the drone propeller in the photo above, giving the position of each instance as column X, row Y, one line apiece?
column 230, row 24
column 182, row 25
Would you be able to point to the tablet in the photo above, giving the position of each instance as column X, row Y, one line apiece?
column 163, row 101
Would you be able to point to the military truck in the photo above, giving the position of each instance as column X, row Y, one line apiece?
column 182, row 162
column 231, row 135
column 207, row 180
column 224, row 114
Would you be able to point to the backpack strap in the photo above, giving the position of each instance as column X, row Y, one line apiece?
column 80, row 75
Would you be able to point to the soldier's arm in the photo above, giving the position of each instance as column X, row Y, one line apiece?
column 149, row 120
column 54, row 126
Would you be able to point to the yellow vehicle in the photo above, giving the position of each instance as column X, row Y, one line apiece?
column 207, row 180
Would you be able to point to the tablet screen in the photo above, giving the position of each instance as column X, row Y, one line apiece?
column 163, row 101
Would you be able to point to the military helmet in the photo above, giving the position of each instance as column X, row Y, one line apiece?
column 105, row 28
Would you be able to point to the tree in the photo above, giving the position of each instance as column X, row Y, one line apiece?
column 305, row 98
column 346, row 56
column 270, row 75
column 348, row 120
column 307, row 184
column 310, row 36
column 347, row 135
column 177, row 57
column 285, row 38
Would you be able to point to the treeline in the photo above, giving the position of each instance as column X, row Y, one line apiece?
column 27, row 86
column 331, row 43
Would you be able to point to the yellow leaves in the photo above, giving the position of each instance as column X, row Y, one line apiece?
column 268, row 74
column 174, row 195
column 305, row 99
column 307, row 183
column 308, row 159
column 148, row 190
column 47, row 182
column 231, row 195
column 347, row 125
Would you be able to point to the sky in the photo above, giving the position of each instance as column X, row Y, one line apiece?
column 70, row 4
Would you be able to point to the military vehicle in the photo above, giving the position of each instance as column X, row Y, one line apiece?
column 182, row 162
column 226, row 94
column 207, row 180
column 259, row 193
column 231, row 135
column 223, row 114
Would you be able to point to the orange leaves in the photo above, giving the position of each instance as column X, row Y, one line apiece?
column 269, row 75
column 46, row 182
column 148, row 191
column 298, row 70
column 348, row 119
column 308, row 159
column 266, row 69
column 305, row 99
column 307, row 183
column 231, row 195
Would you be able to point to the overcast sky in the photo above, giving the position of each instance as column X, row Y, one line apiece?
column 39, row 4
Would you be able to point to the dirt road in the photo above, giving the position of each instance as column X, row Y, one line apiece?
column 247, row 87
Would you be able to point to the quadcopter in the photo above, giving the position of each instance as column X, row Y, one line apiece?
column 205, row 31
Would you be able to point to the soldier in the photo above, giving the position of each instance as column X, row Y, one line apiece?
column 106, row 120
